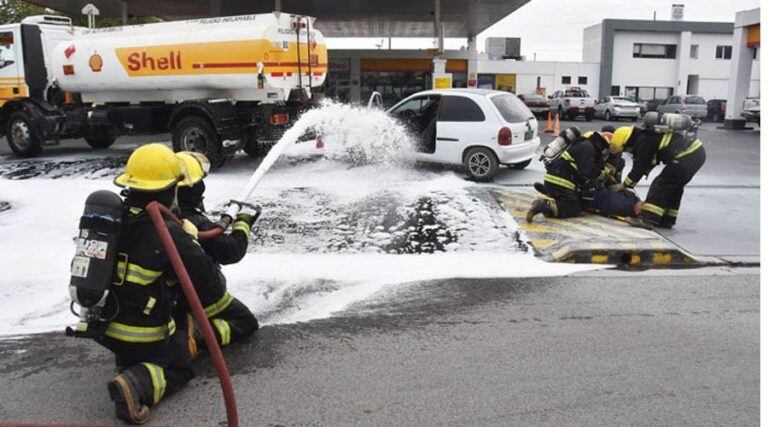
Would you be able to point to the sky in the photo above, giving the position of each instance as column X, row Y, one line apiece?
column 557, row 36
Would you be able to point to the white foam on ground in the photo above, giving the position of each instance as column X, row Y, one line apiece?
column 295, row 282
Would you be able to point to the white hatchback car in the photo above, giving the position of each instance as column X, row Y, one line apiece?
column 478, row 128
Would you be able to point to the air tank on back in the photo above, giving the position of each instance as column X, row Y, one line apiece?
column 245, row 58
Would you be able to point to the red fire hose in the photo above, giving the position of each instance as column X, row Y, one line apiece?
column 156, row 213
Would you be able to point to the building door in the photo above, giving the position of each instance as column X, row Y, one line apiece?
column 693, row 84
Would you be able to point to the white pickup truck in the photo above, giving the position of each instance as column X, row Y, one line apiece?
column 573, row 102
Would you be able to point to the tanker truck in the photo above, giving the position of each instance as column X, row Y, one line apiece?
column 217, row 85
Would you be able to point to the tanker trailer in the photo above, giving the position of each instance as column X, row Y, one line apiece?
column 217, row 85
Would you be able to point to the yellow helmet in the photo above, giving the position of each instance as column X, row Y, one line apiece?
column 197, row 167
column 620, row 138
column 151, row 167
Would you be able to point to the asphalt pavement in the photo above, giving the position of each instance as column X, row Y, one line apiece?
column 605, row 348
column 675, row 347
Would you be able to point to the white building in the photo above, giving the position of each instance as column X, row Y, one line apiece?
column 655, row 59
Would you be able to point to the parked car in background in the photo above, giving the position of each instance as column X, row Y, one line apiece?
column 572, row 103
column 617, row 107
column 538, row 104
column 692, row 105
column 477, row 128
column 652, row 105
column 751, row 110
column 715, row 110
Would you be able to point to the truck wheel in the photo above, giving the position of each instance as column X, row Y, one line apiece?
column 20, row 137
column 561, row 113
column 195, row 133
column 589, row 117
column 481, row 164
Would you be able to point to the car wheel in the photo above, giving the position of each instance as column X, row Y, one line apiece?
column 589, row 117
column 20, row 135
column 481, row 164
column 560, row 113
column 521, row 165
column 608, row 116
column 195, row 133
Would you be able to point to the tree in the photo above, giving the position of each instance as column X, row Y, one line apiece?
column 12, row 11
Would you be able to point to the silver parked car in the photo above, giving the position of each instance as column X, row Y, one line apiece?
column 692, row 105
column 617, row 107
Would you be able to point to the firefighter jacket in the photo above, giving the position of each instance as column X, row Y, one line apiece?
column 224, row 248
column 145, row 287
column 649, row 148
column 579, row 167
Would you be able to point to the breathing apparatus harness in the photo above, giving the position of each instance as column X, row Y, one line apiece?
column 93, row 266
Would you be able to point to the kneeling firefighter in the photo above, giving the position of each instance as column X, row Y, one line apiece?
column 576, row 170
column 231, row 319
column 648, row 148
column 123, row 280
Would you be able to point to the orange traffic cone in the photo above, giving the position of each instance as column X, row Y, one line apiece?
column 549, row 128
column 557, row 125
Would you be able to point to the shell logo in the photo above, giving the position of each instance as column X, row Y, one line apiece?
column 96, row 62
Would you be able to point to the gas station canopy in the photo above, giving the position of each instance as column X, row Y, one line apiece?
column 335, row 18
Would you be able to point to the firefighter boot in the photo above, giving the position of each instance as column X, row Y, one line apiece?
column 124, row 391
column 539, row 187
column 539, row 206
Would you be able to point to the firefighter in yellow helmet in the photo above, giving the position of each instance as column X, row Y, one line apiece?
column 150, row 351
column 649, row 148
column 230, row 319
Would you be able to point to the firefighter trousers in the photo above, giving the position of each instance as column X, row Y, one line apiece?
column 230, row 319
column 565, row 203
column 234, row 323
column 158, row 369
column 666, row 191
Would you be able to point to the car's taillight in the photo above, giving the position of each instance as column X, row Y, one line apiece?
column 278, row 119
column 595, row 102
column 685, row 100
column 567, row 102
column 505, row 136
column 722, row 107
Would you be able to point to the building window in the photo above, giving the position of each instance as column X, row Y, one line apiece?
column 694, row 51
column 647, row 50
column 723, row 52
column 615, row 90
column 754, row 53
column 582, row 80
column 566, row 80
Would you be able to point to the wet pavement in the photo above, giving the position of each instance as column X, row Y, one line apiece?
column 674, row 348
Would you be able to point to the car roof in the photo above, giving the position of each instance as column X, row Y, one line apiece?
column 462, row 91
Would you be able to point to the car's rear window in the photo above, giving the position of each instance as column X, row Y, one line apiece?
column 512, row 109
column 694, row 100
column 576, row 94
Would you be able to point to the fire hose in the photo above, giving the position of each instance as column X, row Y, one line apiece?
column 157, row 213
